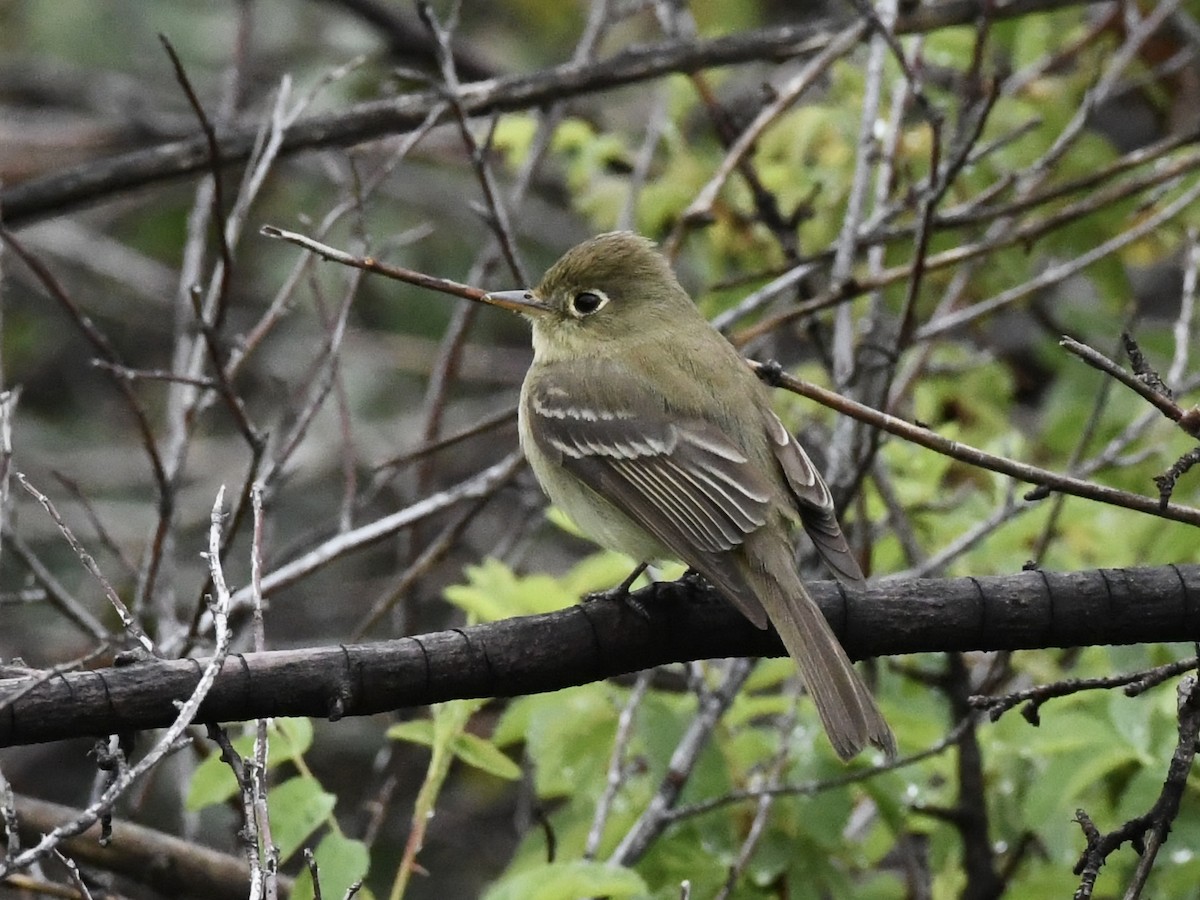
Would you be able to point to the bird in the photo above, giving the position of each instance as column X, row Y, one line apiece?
column 647, row 428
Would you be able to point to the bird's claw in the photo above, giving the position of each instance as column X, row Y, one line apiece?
column 621, row 594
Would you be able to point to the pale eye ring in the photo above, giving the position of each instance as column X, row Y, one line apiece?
column 587, row 302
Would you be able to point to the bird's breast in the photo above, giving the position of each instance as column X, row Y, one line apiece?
column 595, row 516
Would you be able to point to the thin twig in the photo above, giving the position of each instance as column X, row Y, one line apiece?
column 399, row 273
column 170, row 738
column 965, row 453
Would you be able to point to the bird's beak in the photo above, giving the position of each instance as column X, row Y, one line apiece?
column 524, row 302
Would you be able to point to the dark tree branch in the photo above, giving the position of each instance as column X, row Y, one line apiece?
column 41, row 197
column 970, row 817
column 174, row 867
column 407, row 40
column 601, row 639
column 1147, row 832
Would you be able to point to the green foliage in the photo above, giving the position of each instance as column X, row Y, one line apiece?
column 470, row 748
column 340, row 862
column 567, row 881
column 298, row 807
column 493, row 591
column 567, row 739
column 1101, row 751
column 214, row 782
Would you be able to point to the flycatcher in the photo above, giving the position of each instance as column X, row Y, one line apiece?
column 648, row 429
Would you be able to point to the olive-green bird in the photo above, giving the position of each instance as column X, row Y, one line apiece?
column 648, row 429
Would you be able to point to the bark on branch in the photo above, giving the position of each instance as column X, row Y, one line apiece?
column 602, row 639
column 88, row 183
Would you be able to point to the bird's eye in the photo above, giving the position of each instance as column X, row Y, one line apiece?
column 587, row 302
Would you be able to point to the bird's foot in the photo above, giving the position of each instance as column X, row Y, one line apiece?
column 621, row 593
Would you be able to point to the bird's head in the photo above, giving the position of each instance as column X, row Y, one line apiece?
column 613, row 289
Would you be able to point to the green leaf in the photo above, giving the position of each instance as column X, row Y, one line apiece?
column 418, row 731
column 493, row 591
column 568, row 881
column 340, row 863
column 298, row 807
column 484, row 755
column 568, row 735
column 291, row 737
column 213, row 781
column 1070, row 777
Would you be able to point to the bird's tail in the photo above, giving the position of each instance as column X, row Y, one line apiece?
column 846, row 707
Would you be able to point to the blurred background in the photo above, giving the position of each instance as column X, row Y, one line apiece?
column 354, row 383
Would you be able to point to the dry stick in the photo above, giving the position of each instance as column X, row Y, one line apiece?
column 968, row 214
column 1062, row 271
column 225, row 390
column 262, row 159
column 1164, row 403
column 8, row 406
column 1166, row 808
column 655, row 817
column 496, row 217
column 217, row 213
column 324, row 377
column 169, row 741
column 476, row 486
column 1050, row 528
column 1157, row 820
column 266, row 873
column 1182, row 329
column 505, row 416
column 812, row 788
column 1006, row 510
column 700, row 209
column 850, row 456
column 1148, row 385
column 280, row 302
column 8, row 817
column 185, row 402
column 73, row 875
column 419, row 567
column 898, row 519
column 88, row 183
column 369, row 264
column 1054, row 481
column 127, row 620
column 56, row 593
column 335, row 328
column 1031, row 179
column 497, row 212
column 616, row 763
column 1135, row 683
column 1022, row 234
column 846, row 248
column 99, row 343
column 281, row 120
column 93, row 517
column 657, row 122
column 676, row 20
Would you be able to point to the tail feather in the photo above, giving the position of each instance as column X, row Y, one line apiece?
column 846, row 707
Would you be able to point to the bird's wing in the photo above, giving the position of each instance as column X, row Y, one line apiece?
column 682, row 480
column 813, row 501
